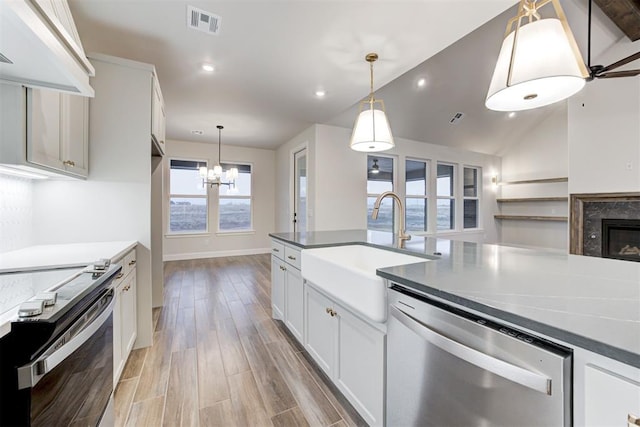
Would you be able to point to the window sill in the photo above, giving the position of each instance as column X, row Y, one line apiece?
column 236, row 233
column 182, row 235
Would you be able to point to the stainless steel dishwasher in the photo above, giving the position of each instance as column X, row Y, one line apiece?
column 447, row 367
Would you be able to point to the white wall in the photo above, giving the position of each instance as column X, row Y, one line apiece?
column 604, row 137
column 542, row 153
column 16, row 213
column 339, row 179
column 114, row 203
column 213, row 244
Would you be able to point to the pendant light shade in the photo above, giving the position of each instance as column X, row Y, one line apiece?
column 371, row 131
column 539, row 62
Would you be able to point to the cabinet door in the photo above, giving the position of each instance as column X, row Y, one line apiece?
column 359, row 371
column 75, row 134
column 610, row 398
column 129, row 318
column 294, row 305
column 118, row 363
column 320, row 336
column 44, row 143
column 277, row 288
column 157, row 116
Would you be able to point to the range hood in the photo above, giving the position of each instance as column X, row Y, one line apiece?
column 40, row 47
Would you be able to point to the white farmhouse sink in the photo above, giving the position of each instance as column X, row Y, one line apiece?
column 348, row 273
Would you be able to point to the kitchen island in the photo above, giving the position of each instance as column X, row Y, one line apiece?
column 590, row 305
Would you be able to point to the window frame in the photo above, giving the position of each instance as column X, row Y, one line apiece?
column 427, row 193
column 453, row 196
column 394, row 185
column 477, row 197
column 249, row 230
column 171, row 195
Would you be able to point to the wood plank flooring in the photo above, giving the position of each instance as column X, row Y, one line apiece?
column 218, row 359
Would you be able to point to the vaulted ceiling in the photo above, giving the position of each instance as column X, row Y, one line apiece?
column 272, row 56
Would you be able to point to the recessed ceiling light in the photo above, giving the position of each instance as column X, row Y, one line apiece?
column 208, row 68
column 320, row 93
column 512, row 114
column 422, row 82
column 197, row 132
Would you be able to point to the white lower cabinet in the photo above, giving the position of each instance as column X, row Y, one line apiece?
column 294, row 295
column 125, row 325
column 611, row 399
column 278, row 277
column 287, row 288
column 349, row 350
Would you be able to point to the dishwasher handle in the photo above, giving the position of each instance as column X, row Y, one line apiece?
column 499, row 367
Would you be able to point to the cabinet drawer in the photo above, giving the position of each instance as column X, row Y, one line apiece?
column 128, row 262
column 292, row 256
column 277, row 249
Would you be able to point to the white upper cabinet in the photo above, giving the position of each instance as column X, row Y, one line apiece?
column 158, row 119
column 44, row 131
column 40, row 47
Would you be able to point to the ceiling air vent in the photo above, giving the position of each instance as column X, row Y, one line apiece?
column 456, row 118
column 202, row 20
column 5, row 59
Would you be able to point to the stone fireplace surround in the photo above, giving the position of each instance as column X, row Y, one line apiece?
column 587, row 213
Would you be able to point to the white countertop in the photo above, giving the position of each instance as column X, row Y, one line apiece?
column 43, row 257
column 16, row 285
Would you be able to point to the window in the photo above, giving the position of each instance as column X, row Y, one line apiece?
column 380, row 179
column 234, row 207
column 188, row 198
column 470, row 197
column 416, row 186
column 445, row 197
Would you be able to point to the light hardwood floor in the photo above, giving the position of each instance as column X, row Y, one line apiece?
column 218, row 359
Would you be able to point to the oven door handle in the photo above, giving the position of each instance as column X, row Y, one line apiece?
column 482, row 360
column 79, row 333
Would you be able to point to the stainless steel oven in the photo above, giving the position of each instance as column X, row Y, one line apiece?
column 447, row 367
column 57, row 367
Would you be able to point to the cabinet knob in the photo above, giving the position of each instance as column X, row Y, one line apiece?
column 633, row 420
column 291, row 257
column 333, row 313
column 132, row 262
column 276, row 250
column 70, row 163
column 283, row 268
column 328, row 310
column 119, row 276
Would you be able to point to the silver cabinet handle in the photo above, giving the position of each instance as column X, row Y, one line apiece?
column 291, row 257
column 69, row 163
column 633, row 421
column 276, row 250
column 132, row 262
column 29, row 375
column 499, row 367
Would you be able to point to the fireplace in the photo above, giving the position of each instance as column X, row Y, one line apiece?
column 605, row 225
column 621, row 239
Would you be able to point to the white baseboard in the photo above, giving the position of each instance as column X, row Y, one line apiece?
column 215, row 254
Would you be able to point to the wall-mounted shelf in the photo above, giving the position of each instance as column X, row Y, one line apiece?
column 532, row 218
column 533, row 199
column 536, row 181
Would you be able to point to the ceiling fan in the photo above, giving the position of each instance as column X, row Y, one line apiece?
column 605, row 72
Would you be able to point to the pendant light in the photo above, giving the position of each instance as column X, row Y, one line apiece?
column 213, row 176
column 371, row 131
column 539, row 62
column 375, row 169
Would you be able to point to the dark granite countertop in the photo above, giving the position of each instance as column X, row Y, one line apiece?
column 592, row 303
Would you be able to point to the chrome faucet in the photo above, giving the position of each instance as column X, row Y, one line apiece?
column 402, row 235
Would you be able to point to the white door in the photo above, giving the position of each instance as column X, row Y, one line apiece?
column 300, row 191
